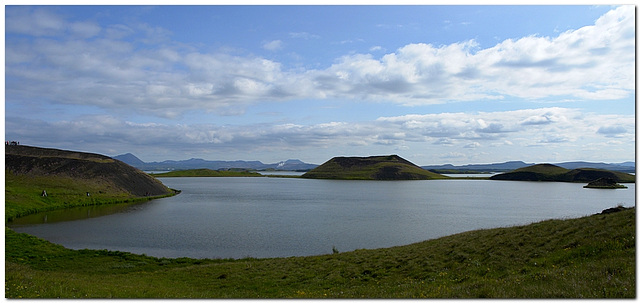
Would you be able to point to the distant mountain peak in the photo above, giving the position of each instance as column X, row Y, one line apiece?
column 293, row 161
column 130, row 159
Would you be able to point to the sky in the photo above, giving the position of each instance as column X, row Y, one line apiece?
column 434, row 84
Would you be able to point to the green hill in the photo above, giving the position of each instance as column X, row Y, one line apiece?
column 70, row 178
column 550, row 172
column 390, row 167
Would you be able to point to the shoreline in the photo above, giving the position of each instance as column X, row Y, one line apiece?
column 96, row 202
column 538, row 260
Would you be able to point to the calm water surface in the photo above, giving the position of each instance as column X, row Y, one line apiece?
column 279, row 217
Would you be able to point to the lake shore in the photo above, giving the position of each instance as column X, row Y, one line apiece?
column 23, row 194
column 589, row 257
column 276, row 217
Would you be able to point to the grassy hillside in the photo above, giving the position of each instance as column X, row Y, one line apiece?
column 550, row 172
column 590, row 257
column 591, row 174
column 205, row 172
column 371, row 168
column 67, row 177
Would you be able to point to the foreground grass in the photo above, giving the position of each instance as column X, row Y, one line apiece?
column 590, row 257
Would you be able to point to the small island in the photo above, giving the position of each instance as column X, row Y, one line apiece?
column 391, row 167
column 606, row 183
column 550, row 172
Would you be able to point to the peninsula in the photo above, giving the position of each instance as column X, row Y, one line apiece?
column 38, row 179
column 391, row 167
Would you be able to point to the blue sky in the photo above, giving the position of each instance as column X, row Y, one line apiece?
column 434, row 84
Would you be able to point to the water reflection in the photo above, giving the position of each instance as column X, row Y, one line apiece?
column 281, row 217
column 76, row 213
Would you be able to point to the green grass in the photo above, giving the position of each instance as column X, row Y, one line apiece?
column 23, row 194
column 204, row 172
column 548, row 169
column 590, row 257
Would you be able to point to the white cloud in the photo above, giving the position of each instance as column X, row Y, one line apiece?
column 303, row 35
column 611, row 131
column 433, row 133
column 554, row 138
column 472, row 145
column 273, row 45
column 111, row 70
column 85, row 29
column 33, row 21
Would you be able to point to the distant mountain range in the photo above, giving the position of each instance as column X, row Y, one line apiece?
column 628, row 167
column 194, row 163
column 293, row 165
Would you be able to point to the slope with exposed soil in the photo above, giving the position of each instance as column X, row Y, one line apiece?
column 110, row 173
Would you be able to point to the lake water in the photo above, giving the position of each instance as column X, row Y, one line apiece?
column 281, row 173
column 279, row 217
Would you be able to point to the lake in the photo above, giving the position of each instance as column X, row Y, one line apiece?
column 279, row 217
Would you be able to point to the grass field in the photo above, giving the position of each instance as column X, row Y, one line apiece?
column 590, row 257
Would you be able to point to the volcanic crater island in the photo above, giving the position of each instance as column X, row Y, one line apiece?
column 394, row 167
column 391, row 167
column 597, row 178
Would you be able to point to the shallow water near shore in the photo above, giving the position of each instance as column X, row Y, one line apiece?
column 280, row 217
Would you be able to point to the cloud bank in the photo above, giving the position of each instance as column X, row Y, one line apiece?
column 140, row 68
column 568, row 130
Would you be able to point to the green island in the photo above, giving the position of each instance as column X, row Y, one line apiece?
column 604, row 183
column 550, row 172
column 205, row 172
column 390, row 167
column 589, row 257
